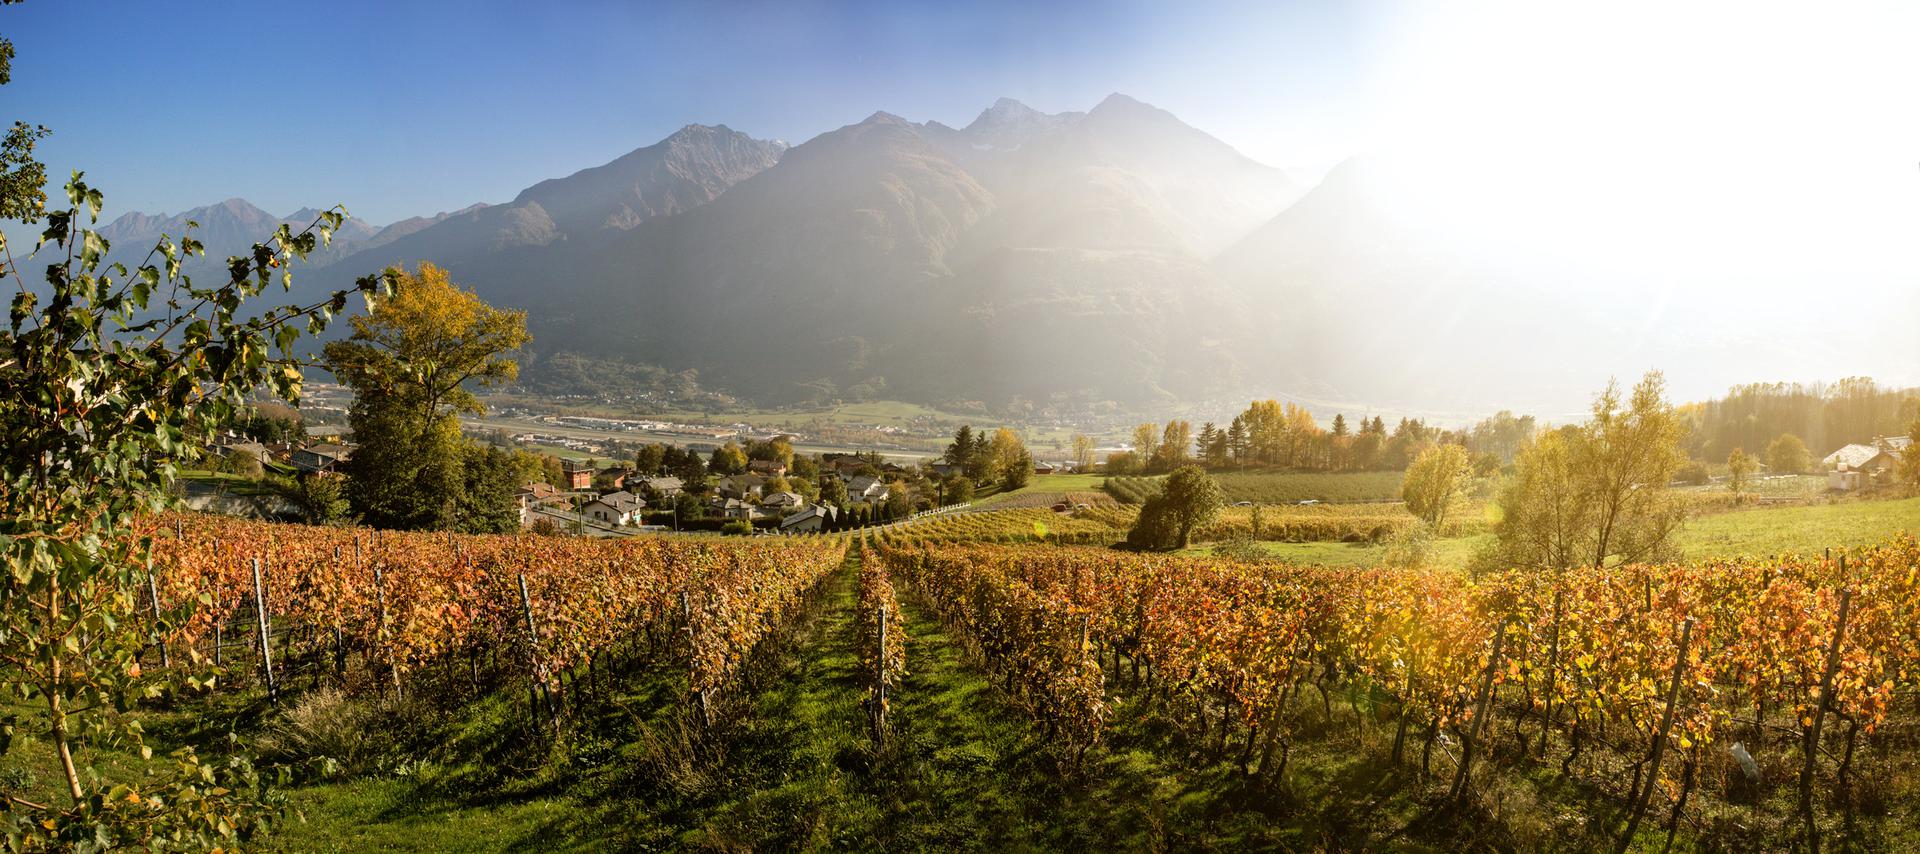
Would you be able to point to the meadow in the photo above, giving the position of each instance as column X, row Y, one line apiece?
column 1280, row 487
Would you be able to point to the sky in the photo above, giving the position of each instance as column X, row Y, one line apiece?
column 1706, row 157
column 1783, row 128
column 399, row 109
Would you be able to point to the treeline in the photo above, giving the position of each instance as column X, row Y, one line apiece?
column 1270, row 434
column 1823, row 416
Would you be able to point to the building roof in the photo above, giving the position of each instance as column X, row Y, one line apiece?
column 328, row 449
column 1851, row 456
column 622, row 500
column 817, row 511
column 782, row 499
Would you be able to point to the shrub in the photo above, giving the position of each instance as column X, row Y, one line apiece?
column 1694, row 473
column 328, row 731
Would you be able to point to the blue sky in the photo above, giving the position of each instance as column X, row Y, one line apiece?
column 397, row 109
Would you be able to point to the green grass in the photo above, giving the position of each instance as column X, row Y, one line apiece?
column 1754, row 532
column 1287, row 487
column 1781, row 486
column 1805, row 530
column 1047, row 485
column 233, row 484
column 1454, row 553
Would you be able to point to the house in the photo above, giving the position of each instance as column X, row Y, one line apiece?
column 230, row 445
column 320, row 457
column 535, row 494
column 815, row 518
column 846, row 466
column 731, row 508
column 767, row 468
column 740, row 485
column 783, row 501
column 616, row 475
column 1859, row 465
column 539, row 492
column 614, row 508
column 867, row 489
column 1044, row 468
column 579, row 474
column 665, row 487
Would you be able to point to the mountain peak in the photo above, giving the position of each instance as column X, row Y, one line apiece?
column 883, row 117
column 1121, row 103
column 696, row 131
column 1009, row 124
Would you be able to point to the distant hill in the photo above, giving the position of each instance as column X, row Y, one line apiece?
column 1028, row 255
column 679, row 173
column 226, row 229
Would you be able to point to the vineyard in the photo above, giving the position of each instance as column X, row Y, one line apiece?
column 1706, row 698
column 1341, row 523
column 1750, row 704
column 454, row 614
column 1279, row 487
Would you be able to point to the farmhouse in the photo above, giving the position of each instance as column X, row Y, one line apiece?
column 767, row 468
column 740, row 485
column 665, row 487
column 1860, row 465
column 231, row 445
column 731, row 508
column 614, row 508
column 866, row 489
column 535, row 494
column 783, row 501
column 815, row 518
column 320, row 457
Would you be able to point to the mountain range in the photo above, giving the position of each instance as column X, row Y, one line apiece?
column 1116, row 254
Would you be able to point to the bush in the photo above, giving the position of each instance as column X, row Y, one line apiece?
column 737, row 526
column 329, row 732
column 1694, row 473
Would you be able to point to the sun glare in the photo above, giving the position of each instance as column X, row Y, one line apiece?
column 1705, row 143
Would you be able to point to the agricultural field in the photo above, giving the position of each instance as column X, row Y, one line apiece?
column 1281, row 487
column 918, row 686
column 1457, row 698
column 1783, row 486
column 1797, row 529
column 1047, row 490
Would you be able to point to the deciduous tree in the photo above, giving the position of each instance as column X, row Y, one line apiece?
column 1786, row 454
column 106, row 386
column 1435, row 481
column 1589, row 493
column 1739, row 467
column 410, row 365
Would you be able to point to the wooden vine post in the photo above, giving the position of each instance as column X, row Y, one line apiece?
column 700, row 696
column 1461, row 779
column 1639, row 804
column 1810, row 745
column 380, row 605
column 266, row 630
column 880, row 682
column 537, row 687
